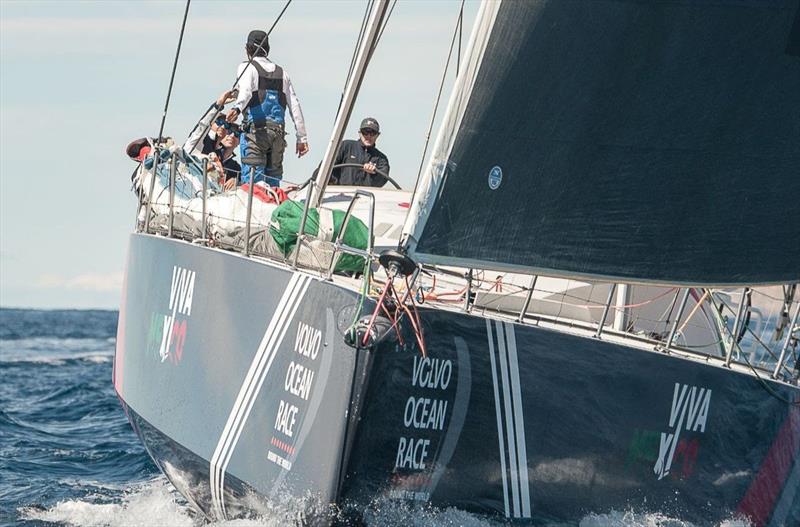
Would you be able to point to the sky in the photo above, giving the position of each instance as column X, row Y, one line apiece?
column 80, row 80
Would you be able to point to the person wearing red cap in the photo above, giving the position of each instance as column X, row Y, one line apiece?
column 265, row 93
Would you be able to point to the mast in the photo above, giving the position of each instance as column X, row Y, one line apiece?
column 367, row 46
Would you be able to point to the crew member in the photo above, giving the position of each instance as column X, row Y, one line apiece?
column 368, row 161
column 224, row 158
column 219, row 144
column 265, row 92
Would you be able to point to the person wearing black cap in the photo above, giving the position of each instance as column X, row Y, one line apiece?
column 362, row 152
column 265, row 93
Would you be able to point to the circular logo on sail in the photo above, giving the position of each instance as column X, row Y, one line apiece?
column 495, row 177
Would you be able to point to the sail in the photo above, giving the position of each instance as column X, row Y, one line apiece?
column 653, row 141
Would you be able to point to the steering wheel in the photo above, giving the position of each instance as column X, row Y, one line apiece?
column 381, row 172
column 356, row 165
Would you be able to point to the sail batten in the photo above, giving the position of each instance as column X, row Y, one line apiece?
column 630, row 141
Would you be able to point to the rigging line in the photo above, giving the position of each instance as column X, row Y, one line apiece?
column 261, row 45
column 249, row 61
column 174, row 69
column 362, row 295
column 383, row 27
column 374, row 45
column 700, row 346
column 359, row 41
column 439, row 95
column 771, row 391
column 671, row 307
column 760, row 379
column 752, row 334
column 697, row 305
column 624, row 306
column 710, row 323
column 460, row 36
column 762, row 293
column 355, row 49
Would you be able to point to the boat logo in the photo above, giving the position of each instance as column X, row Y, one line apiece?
column 168, row 330
column 689, row 412
column 495, row 177
column 298, row 386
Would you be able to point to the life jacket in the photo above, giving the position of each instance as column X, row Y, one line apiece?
column 268, row 104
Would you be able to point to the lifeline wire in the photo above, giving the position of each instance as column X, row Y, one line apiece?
column 753, row 334
column 771, row 391
column 174, row 68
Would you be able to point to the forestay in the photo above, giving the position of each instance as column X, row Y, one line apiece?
column 632, row 141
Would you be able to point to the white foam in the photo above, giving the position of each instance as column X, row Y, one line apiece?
column 155, row 502
column 637, row 519
column 98, row 358
column 89, row 483
column 386, row 513
column 57, row 357
column 152, row 503
column 57, row 344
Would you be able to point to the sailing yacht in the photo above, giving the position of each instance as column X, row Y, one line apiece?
column 590, row 305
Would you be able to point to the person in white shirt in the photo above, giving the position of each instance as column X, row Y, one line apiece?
column 265, row 93
column 219, row 143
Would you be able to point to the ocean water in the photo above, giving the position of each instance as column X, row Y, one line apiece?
column 68, row 456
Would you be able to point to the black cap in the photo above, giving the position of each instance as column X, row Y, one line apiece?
column 258, row 38
column 370, row 124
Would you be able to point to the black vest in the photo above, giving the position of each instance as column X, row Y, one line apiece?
column 262, row 108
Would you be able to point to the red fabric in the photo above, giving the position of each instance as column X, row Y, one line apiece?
column 261, row 193
column 143, row 153
column 759, row 502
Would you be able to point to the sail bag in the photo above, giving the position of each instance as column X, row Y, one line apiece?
column 322, row 224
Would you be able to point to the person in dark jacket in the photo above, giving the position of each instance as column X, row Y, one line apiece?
column 362, row 152
column 223, row 158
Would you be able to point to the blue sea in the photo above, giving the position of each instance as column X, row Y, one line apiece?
column 68, row 456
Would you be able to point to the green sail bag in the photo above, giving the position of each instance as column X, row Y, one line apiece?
column 285, row 224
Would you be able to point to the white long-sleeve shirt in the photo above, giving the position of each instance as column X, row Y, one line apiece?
column 203, row 126
column 248, row 83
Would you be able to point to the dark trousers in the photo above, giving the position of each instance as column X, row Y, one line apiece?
column 262, row 151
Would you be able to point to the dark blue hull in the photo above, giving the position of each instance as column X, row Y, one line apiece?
column 252, row 394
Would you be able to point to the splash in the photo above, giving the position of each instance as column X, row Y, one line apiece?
column 155, row 502
column 385, row 513
column 640, row 519
column 151, row 503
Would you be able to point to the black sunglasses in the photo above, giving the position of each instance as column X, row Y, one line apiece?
column 367, row 131
column 231, row 127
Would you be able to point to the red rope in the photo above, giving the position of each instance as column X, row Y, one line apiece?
column 375, row 313
column 401, row 308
